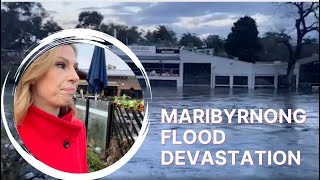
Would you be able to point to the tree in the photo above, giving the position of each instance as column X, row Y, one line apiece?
column 10, row 31
column 271, row 49
column 190, row 40
column 133, row 35
column 215, row 42
column 125, row 34
column 50, row 26
column 150, row 37
column 243, row 41
column 274, row 48
column 22, row 25
column 307, row 20
column 165, row 36
column 90, row 19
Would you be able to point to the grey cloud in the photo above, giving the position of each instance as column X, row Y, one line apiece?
column 92, row 8
column 221, row 31
column 66, row 3
column 174, row 9
column 71, row 23
column 119, row 6
column 124, row 5
column 52, row 12
column 154, row 14
column 166, row 13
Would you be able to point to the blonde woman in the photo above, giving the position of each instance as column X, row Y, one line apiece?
column 44, row 112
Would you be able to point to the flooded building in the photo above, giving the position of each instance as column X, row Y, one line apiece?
column 309, row 71
column 183, row 67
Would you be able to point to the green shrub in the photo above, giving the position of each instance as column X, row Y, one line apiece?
column 94, row 162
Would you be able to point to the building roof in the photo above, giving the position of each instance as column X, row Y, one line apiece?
column 112, row 72
column 153, row 57
column 313, row 58
column 192, row 56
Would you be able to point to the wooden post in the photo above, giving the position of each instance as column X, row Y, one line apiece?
column 109, row 123
column 87, row 115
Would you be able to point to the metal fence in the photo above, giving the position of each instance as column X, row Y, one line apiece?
column 126, row 125
column 109, row 126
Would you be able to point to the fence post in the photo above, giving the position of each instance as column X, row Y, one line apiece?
column 87, row 115
column 109, row 123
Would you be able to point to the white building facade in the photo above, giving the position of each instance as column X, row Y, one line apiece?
column 181, row 67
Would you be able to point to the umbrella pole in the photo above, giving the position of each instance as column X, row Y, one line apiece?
column 96, row 96
column 87, row 115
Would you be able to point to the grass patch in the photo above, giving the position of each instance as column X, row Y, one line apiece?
column 94, row 162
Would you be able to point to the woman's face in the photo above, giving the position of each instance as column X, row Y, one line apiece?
column 57, row 87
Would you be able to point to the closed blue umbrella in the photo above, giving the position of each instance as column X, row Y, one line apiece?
column 97, row 75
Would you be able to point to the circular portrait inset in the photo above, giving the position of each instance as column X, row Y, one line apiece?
column 78, row 108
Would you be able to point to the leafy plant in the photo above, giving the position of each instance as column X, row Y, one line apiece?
column 94, row 162
column 126, row 103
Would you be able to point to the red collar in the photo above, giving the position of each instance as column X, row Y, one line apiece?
column 50, row 125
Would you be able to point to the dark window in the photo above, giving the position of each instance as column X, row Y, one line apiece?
column 134, row 94
column 110, row 91
column 282, row 80
column 196, row 74
column 240, row 80
column 309, row 73
column 222, row 80
column 163, row 83
column 264, row 80
column 165, row 69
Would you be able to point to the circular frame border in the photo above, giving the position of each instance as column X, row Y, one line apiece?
column 70, row 36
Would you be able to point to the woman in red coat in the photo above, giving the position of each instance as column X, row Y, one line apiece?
column 45, row 114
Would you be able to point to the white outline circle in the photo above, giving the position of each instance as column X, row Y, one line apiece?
column 91, row 37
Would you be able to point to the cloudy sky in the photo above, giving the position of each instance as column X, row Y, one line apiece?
column 84, row 56
column 202, row 18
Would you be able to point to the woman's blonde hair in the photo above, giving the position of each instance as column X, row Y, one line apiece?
column 38, row 69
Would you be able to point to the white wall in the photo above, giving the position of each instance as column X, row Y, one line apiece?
column 268, row 69
column 226, row 67
column 220, row 65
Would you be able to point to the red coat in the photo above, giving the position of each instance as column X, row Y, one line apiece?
column 58, row 142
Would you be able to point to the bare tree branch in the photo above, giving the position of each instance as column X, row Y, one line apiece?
column 315, row 15
column 303, row 12
column 311, row 9
column 312, row 29
column 308, row 10
column 312, row 25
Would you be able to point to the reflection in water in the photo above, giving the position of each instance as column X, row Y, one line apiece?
column 303, row 137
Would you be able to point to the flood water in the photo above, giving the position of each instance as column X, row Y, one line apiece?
column 304, row 137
